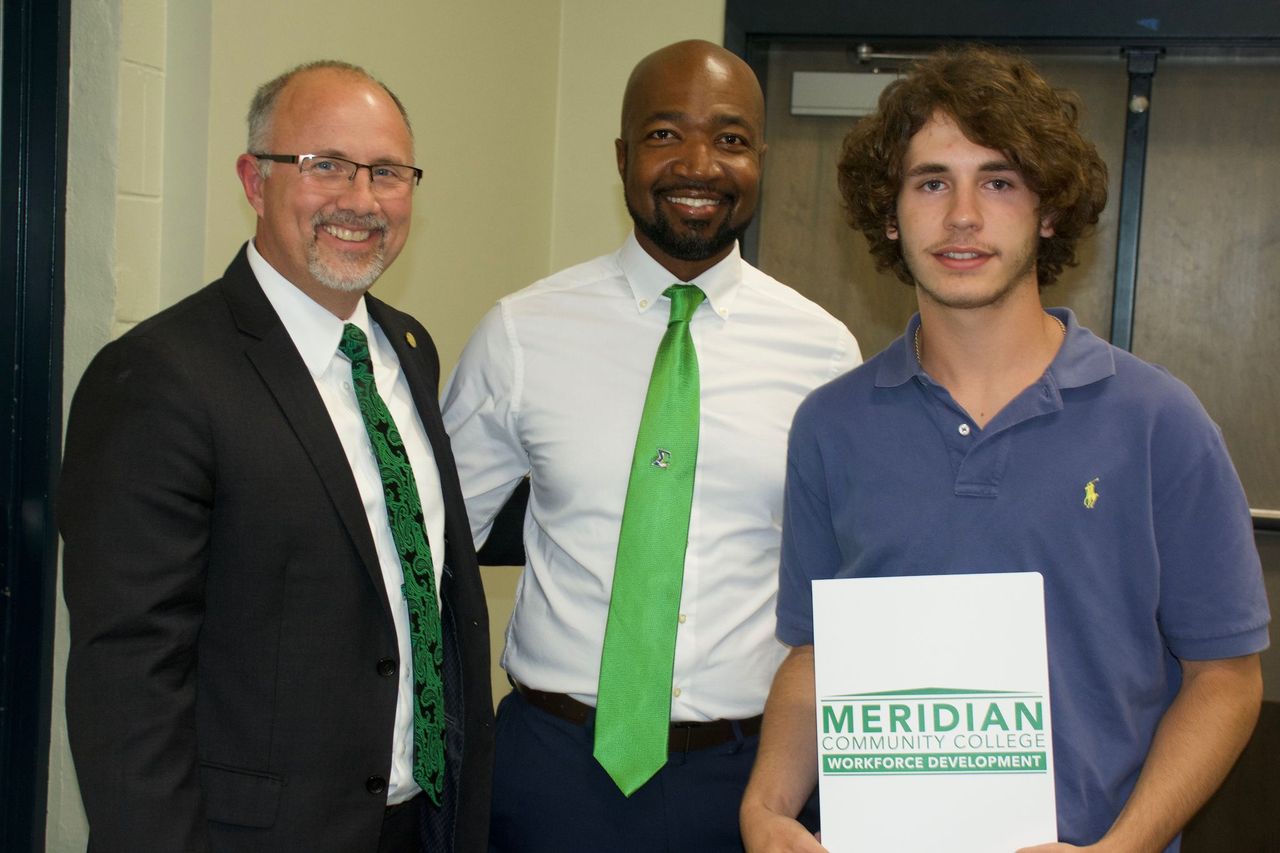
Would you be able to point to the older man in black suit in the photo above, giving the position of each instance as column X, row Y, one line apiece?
column 278, row 633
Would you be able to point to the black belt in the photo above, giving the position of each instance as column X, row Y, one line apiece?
column 685, row 737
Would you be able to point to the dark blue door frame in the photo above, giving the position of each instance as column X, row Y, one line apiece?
column 32, row 200
column 1142, row 67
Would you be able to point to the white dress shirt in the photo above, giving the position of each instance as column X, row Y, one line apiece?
column 553, row 382
column 315, row 333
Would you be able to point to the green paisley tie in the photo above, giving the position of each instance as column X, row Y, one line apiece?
column 633, row 705
column 404, row 511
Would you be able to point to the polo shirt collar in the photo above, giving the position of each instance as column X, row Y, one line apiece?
column 1083, row 358
column 899, row 362
column 647, row 278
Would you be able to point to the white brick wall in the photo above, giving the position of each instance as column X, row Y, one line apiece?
column 140, row 179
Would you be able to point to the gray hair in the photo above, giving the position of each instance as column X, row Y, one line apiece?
column 262, row 108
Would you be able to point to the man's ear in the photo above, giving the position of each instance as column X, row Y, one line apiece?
column 620, row 152
column 891, row 228
column 251, row 179
column 1046, row 224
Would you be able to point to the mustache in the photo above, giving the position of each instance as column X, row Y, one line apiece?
column 350, row 219
column 960, row 246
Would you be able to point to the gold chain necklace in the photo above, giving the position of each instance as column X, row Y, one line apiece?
column 1061, row 326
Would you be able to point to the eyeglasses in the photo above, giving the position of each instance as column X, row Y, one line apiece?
column 387, row 179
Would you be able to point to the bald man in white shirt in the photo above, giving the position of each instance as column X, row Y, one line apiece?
column 552, row 385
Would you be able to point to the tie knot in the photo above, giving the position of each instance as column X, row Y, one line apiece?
column 685, row 298
column 354, row 345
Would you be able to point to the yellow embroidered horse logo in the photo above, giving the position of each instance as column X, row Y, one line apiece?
column 1090, row 494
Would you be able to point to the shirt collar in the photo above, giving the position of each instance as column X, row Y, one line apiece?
column 648, row 278
column 315, row 332
column 899, row 362
column 1083, row 358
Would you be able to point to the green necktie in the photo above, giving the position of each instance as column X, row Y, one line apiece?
column 404, row 512
column 633, row 705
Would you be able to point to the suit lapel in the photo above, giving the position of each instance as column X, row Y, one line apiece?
column 272, row 353
column 421, row 371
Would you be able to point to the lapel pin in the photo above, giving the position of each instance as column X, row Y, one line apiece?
column 413, row 342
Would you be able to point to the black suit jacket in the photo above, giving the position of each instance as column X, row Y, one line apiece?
column 231, row 682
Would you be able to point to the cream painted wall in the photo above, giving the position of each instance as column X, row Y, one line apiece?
column 515, row 108
column 185, row 134
column 600, row 44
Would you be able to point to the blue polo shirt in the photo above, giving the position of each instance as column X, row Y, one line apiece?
column 1106, row 475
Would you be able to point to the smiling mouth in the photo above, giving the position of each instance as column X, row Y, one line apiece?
column 346, row 234
column 692, row 201
column 962, row 256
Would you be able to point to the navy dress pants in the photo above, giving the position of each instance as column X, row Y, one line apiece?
column 551, row 796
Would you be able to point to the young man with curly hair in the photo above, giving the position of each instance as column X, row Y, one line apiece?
column 996, row 435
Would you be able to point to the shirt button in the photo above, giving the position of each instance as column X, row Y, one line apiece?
column 964, row 429
column 644, row 303
column 676, row 692
column 683, row 618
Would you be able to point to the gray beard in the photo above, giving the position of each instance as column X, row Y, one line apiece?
column 334, row 279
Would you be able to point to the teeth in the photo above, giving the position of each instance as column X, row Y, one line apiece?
column 347, row 234
column 961, row 256
column 692, row 202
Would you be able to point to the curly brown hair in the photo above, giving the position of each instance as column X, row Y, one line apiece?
column 1001, row 102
